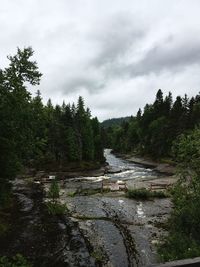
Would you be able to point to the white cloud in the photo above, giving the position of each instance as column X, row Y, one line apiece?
column 115, row 53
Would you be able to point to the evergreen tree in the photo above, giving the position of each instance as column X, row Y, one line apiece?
column 98, row 145
column 36, row 135
column 154, row 131
column 15, row 113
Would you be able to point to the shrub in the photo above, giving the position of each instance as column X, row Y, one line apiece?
column 159, row 194
column 178, row 246
column 144, row 194
column 98, row 256
column 183, row 240
column 54, row 190
column 72, row 194
column 55, row 208
column 16, row 261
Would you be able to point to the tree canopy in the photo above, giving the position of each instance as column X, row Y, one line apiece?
column 36, row 135
column 153, row 130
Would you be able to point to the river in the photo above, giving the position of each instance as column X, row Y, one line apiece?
column 128, row 170
column 122, row 232
column 99, row 229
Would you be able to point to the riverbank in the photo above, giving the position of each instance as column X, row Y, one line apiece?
column 69, row 170
column 43, row 239
column 166, row 168
column 100, row 229
column 62, row 175
column 161, row 175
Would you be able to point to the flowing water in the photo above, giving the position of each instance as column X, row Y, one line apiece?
column 121, row 231
column 103, row 229
column 128, row 170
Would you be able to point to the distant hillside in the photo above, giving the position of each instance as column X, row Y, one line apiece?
column 114, row 122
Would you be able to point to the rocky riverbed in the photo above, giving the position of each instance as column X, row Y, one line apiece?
column 123, row 231
column 158, row 166
column 99, row 229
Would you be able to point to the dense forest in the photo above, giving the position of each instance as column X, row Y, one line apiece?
column 183, row 240
column 152, row 131
column 114, row 122
column 34, row 135
column 169, row 129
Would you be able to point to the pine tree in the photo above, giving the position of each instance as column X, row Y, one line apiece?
column 15, row 113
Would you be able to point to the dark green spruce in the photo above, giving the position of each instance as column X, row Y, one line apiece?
column 40, row 136
column 169, row 129
column 152, row 131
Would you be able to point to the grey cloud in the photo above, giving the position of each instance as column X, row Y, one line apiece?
column 111, row 41
column 170, row 58
column 113, row 52
column 166, row 56
column 116, row 37
column 76, row 83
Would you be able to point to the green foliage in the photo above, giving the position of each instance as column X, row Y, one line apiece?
column 167, row 129
column 72, row 194
column 98, row 256
column 153, row 131
column 114, row 122
column 54, row 190
column 70, row 136
column 98, row 144
column 16, row 261
column 15, row 135
column 183, row 240
column 186, row 151
column 56, row 208
column 144, row 194
column 178, row 246
column 36, row 135
column 72, row 144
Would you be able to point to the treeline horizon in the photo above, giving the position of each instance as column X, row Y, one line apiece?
column 168, row 131
column 154, row 129
column 44, row 137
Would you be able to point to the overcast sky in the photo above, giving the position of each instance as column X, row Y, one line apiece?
column 114, row 53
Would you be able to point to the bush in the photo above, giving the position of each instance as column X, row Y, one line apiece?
column 159, row 194
column 55, row 208
column 178, row 246
column 54, row 190
column 183, row 240
column 16, row 261
column 144, row 194
column 72, row 194
column 98, row 256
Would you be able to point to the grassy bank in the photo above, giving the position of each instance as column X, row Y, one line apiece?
column 145, row 194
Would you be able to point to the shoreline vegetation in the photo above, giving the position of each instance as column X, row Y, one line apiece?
column 168, row 132
column 39, row 137
column 35, row 137
column 38, row 140
column 155, row 130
